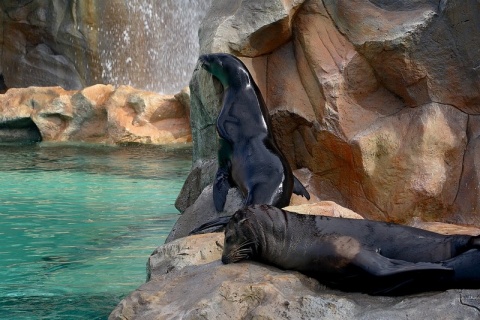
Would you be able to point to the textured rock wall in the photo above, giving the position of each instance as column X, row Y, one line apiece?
column 379, row 100
column 100, row 114
column 49, row 43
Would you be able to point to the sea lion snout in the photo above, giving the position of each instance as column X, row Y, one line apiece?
column 205, row 61
column 225, row 259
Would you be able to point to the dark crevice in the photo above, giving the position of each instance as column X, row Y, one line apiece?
column 3, row 86
column 469, row 139
column 464, row 303
column 19, row 131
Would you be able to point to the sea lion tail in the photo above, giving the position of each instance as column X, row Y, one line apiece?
column 215, row 225
column 299, row 189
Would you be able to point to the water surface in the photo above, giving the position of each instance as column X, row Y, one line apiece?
column 78, row 222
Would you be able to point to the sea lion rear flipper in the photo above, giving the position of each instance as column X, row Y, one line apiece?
column 215, row 225
column 378, row 265
column 299, row 189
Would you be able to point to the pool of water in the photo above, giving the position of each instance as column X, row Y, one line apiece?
column 78, row 222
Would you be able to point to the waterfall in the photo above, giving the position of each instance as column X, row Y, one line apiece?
column 150, row 44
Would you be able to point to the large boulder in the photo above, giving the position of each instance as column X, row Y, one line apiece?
column 100, row 114
column 186, row 280
column 377, row 101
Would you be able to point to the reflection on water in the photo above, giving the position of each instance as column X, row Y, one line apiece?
column 139, row 161
column 77, row 224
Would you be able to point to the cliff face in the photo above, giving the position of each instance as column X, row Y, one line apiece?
column 49, row 43
column 379, row 100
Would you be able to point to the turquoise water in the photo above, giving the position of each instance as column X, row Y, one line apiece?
column 78, row 222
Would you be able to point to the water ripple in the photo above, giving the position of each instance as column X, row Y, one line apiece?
column 78, row 223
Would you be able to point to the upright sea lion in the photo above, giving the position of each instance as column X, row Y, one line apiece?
column 249, row 157
column 354, row 255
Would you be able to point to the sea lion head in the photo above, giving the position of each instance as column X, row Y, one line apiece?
column 225, row 67
column 240, row 240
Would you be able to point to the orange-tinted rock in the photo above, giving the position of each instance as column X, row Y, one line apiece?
column 421, row 51
column 100, row 114
column 324, row 208
column 411, row 162
column 146, row 117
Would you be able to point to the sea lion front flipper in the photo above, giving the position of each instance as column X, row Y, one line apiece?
column 215, row 225
column 380, row 266
column 299, row 189
column 222, row 182
column 220, row 188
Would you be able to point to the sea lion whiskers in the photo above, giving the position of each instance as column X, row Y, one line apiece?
column 242, row 252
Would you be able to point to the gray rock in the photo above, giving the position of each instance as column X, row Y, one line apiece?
column 201, row 175
column 203, row 210
column 48, row 43
column 19, row 130
column 205, row 104
column 247, row 28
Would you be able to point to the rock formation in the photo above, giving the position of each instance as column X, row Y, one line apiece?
column 377, row 100
column 186, row 280
column 100, row 114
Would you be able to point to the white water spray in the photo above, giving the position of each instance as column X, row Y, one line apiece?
column 151, row 44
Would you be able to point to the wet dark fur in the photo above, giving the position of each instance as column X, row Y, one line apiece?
column 354, row 255
column 249, row 157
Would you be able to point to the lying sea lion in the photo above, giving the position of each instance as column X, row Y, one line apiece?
column 249, row 156
column 353, row 255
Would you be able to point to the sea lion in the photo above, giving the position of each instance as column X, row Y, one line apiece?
column 248, row 157
column 354, row 255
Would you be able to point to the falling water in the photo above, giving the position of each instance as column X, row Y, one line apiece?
column 151, row 44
